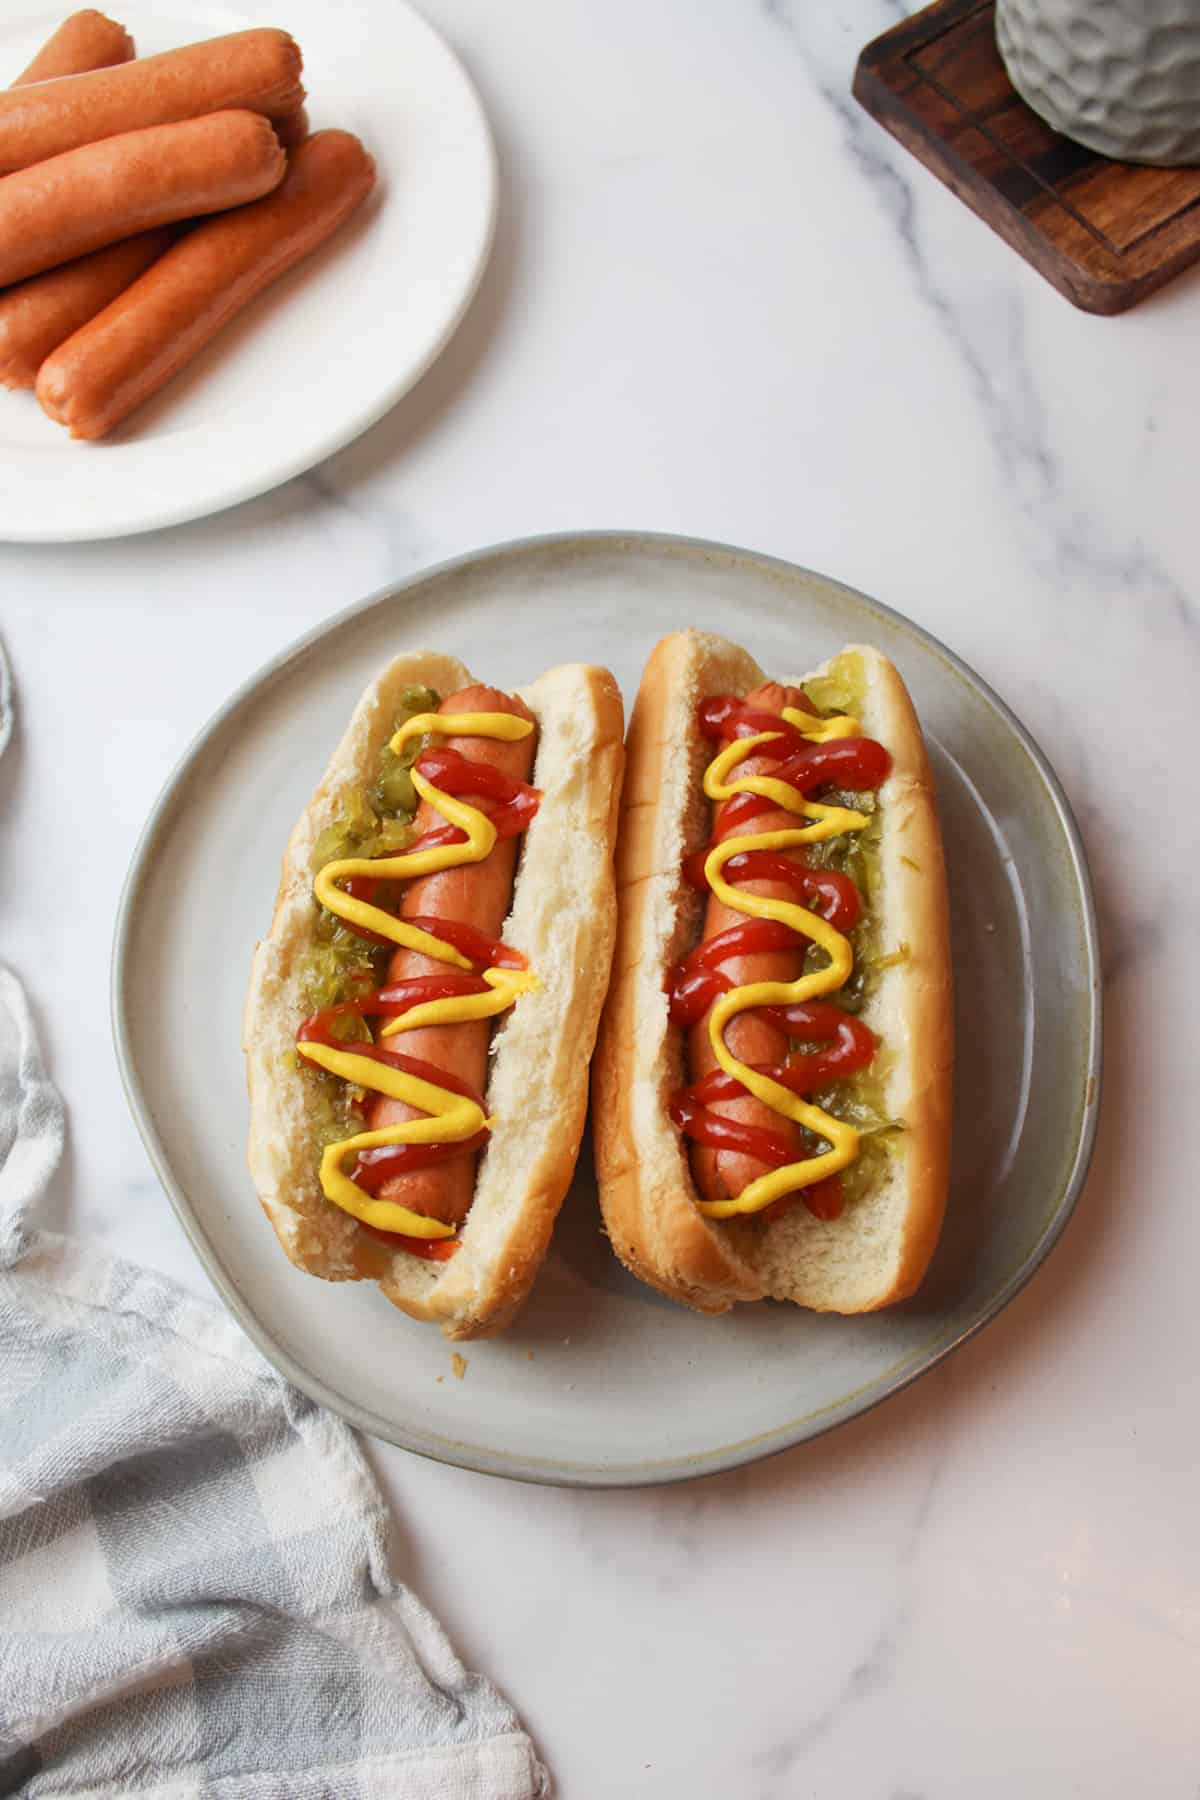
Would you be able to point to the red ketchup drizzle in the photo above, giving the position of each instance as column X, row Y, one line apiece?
column 454, row 773
column 450, row 770
column 857, row 764
column 515, row 805
column 725, row 716
column 430, row 1249
column 697, row 981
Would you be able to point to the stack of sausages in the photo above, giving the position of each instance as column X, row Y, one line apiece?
column 107, row 286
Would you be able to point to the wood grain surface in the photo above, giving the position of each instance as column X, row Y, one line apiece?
column 1105, row 233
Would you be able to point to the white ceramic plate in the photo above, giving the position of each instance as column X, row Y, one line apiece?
column 602, row 1381
column 327, row 350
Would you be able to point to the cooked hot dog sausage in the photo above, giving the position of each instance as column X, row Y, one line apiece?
column 87, row 40
column 95, row 196
column 721, row 1174
column 151, row 331
column 475, row 894
column 38, row 315
column 255, row 70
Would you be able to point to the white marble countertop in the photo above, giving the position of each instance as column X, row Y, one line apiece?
column 723, row 302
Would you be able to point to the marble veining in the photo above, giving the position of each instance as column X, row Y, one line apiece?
column 875, row 1665
column 1002, row 387
column 724, row 302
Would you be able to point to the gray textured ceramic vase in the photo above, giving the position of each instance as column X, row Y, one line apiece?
column 1121, row 76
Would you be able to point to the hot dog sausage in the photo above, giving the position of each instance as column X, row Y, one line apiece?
column 95, row 196
column 721, row 1174
column 87, row 40
column 255, row 70
column 474, row 894
column 38, row 315
column 158, row 325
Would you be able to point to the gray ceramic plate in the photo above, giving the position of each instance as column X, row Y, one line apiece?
column 601, row 1382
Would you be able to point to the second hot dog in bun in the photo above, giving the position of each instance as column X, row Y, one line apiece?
column 421, row 1018
column 772, row 1091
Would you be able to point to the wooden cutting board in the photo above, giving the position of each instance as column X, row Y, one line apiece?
column 1105, row 233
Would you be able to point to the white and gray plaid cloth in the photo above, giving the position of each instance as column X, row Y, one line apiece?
column 194, row 1589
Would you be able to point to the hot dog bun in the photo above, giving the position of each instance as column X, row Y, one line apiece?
column 563, row 916
column 878, row 1250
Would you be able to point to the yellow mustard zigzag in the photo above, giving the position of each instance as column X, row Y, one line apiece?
column 450, row 1118
column 827, row 822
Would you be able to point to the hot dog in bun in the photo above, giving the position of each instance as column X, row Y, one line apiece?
column 422, row 1015
column 773, row 1076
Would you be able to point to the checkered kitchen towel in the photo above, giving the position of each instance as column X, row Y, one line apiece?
column 194, row 1589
